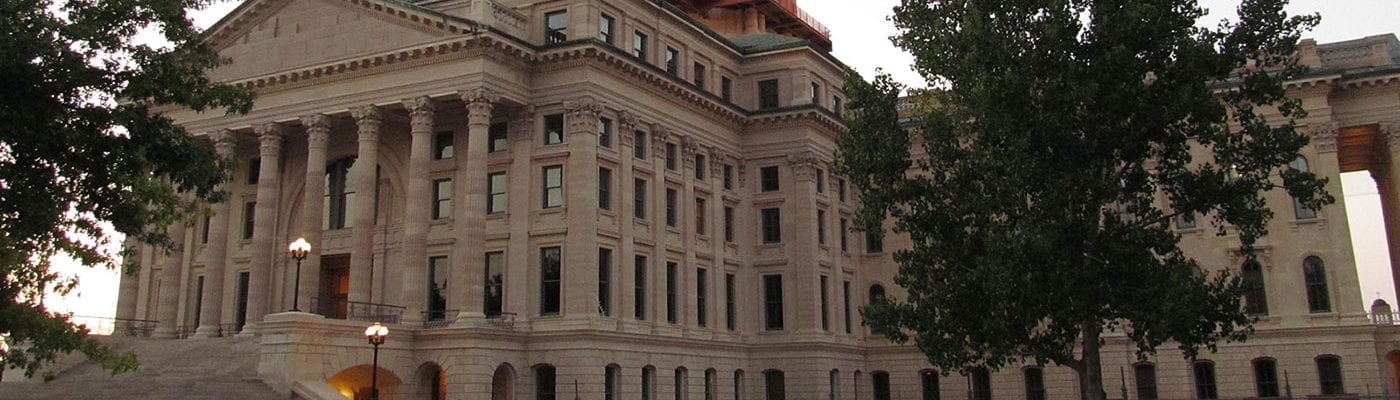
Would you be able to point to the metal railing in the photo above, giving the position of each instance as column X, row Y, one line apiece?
column 115, row 326
column 438, row 318
column 503, row 320
column 357, row 311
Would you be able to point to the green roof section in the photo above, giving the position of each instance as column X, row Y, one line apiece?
column 760, row 42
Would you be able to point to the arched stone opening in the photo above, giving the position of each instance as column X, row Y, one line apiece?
column 503, row 383
column 432, row 382
column 354, row 383
column 1393, row 358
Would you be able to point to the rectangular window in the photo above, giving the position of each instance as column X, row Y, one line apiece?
column 836, row 104
column 846, row 304
column 826, row 305
column 254, row 168
column 604, row 282
column 701, row 314
column 671, row 207
column 701, row 212
column 699, row 76
column 1329, row 373
column 1186, row 220
column 821, row 227
column 442, row 145
column 639, row 145
column 768, row 94
column 671, row 292
column 605, row 29
column 204, row 231
column 639, row 198
column 249, row 213
column 1145, row 379
column 554, row 129
column 639, row 45
column 700, row 166
column 671, row 156
column 768, row 179
column 816, row 93
column 442, row 198
column 1035, row 383
column 874, row 240
column 981, row 384
column 556, row 25
column 497, row 137
column 551, row 270
column 845, row 244
column 438, row 268
column 726, row 88
column 729, row 298
column 496, row 186
column 821, row 181
column 1204, row 371
column 729, row 224
column 495, row 285
column 1266, row 378
column 728, row 172
column 841, row 189
column 639, row 287
column 672, row 58
column 605, row 128
column 553, row 194
column 772, row 226
column 604, row 189
column 773, row 302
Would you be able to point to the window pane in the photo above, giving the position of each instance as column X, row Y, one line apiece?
column 1204, row 372
column 554, row 129
column 544, row 382
column 1329, row 372
column 1266, row 378
column 494, row 293
column 497, row 188
column 639, row 287
column 556, row 27
column 1315, row 275
column 605, row 281
column 1255, row 298
column 497, row 135
column 671, row 292
column 442, row 145
column 1145, row 377
column 773, row 302
column 550, row 272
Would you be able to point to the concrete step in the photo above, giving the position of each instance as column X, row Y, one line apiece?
column 187, row 369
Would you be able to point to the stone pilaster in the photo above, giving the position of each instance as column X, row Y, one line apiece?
column 581, row 205
column 524, row 132
column 365, row 180
column 318, row 131
column 800, row 242
column 172, row 262
column 470, row 249
column 264, row 221
column 660, row 135
column 1388, row 183
column 414, row 295
column 216, row 251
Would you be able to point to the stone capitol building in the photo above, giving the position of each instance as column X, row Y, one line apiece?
column 634, row 199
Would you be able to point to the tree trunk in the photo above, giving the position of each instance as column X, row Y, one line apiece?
column 1091, row 376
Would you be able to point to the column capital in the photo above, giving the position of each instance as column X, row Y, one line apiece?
column 269, row 136
column 368, row 119
column 225, row 142
column 627, row 121
column 1391, row 130
column 1324, row 136
column 804, row 165
column 478, row 96
column 659, row 135
column 421, row 111
column 318, row 130
column 583, row 107
column 717, row 159
column 689, row 149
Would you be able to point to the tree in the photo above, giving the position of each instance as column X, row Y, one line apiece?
column 1040, row 178
column 84, row 153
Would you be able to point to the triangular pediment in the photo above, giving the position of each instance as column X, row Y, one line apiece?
column 268, row 36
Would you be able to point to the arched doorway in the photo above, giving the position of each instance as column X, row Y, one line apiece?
column 503, row 383
column 432, row 382
column 1394, row 359
column 354, row 383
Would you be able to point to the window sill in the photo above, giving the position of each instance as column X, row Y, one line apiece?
column 498, row 215
column 607, row 213
column 1310, row 221
column 440, row 221
column 552, row 210
column 673, row 229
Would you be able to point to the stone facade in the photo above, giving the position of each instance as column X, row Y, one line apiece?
column 579, row 189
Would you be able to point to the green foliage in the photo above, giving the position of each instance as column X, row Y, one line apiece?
column 85, row 153
column 1039, row 180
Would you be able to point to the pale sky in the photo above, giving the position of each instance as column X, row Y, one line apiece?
column 860, row 34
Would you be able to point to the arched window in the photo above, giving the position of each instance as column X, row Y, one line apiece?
column 1035, row 383
column 981, row 383
column 1145, row 379
column 1329, row 373
column 880, row 385
column 832, row 384
column 1204, row 372
column 339, row 194
column 1256, row 301
column 710, row 378
column 544, row 382
column 680, row 383
column 612, row 374
column 1315, row 276
column 877, row 293
column 774, row 388
column 1301, row 211
column 928, row 384
column 648, row 382
column 1265, row 377
column 739, row 384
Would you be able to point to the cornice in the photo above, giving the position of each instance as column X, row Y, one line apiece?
column 793, row 116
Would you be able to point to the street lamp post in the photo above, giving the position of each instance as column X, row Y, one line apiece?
column 377, row 334
column 299, row 249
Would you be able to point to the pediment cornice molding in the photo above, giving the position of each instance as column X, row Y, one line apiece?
column 253, row 12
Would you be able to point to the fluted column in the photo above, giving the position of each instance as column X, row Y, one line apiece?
column 580, row 295
column 524, row 133
column 130, row 285
column 368, row 119
column 169, row 296
column 470, row 217
column 660, row 135
column 799, row 236
column 1388, row 181
column 313, row 204
column 264, row 220
column 414, row 296
column 216, row 252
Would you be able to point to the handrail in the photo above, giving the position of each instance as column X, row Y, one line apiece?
column 437, row 318
column 357, row 310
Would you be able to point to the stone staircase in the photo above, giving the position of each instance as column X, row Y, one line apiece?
column 189, row 369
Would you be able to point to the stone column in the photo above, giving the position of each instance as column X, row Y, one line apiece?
column 313, row 204
column 470, row 212
column 625, row 277
column 216, row 252
column 687, row 284
column 414, row 296
column 800, row 284
column 168, row 299
column 264, row 221
column 580, row 278
column 524, row 132
column 130, row 285
column 366, row 182
column 715, row 293
column 660, row 135
column 1386, row 181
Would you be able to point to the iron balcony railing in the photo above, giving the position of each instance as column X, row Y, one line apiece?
column 505, row 320
column 336, row 308
column 438, row 318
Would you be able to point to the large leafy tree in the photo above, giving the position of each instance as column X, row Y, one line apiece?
column 1040, row 175
column 84, row 155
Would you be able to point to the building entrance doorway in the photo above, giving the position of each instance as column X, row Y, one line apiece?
column 502, row 382
column 335, row 286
